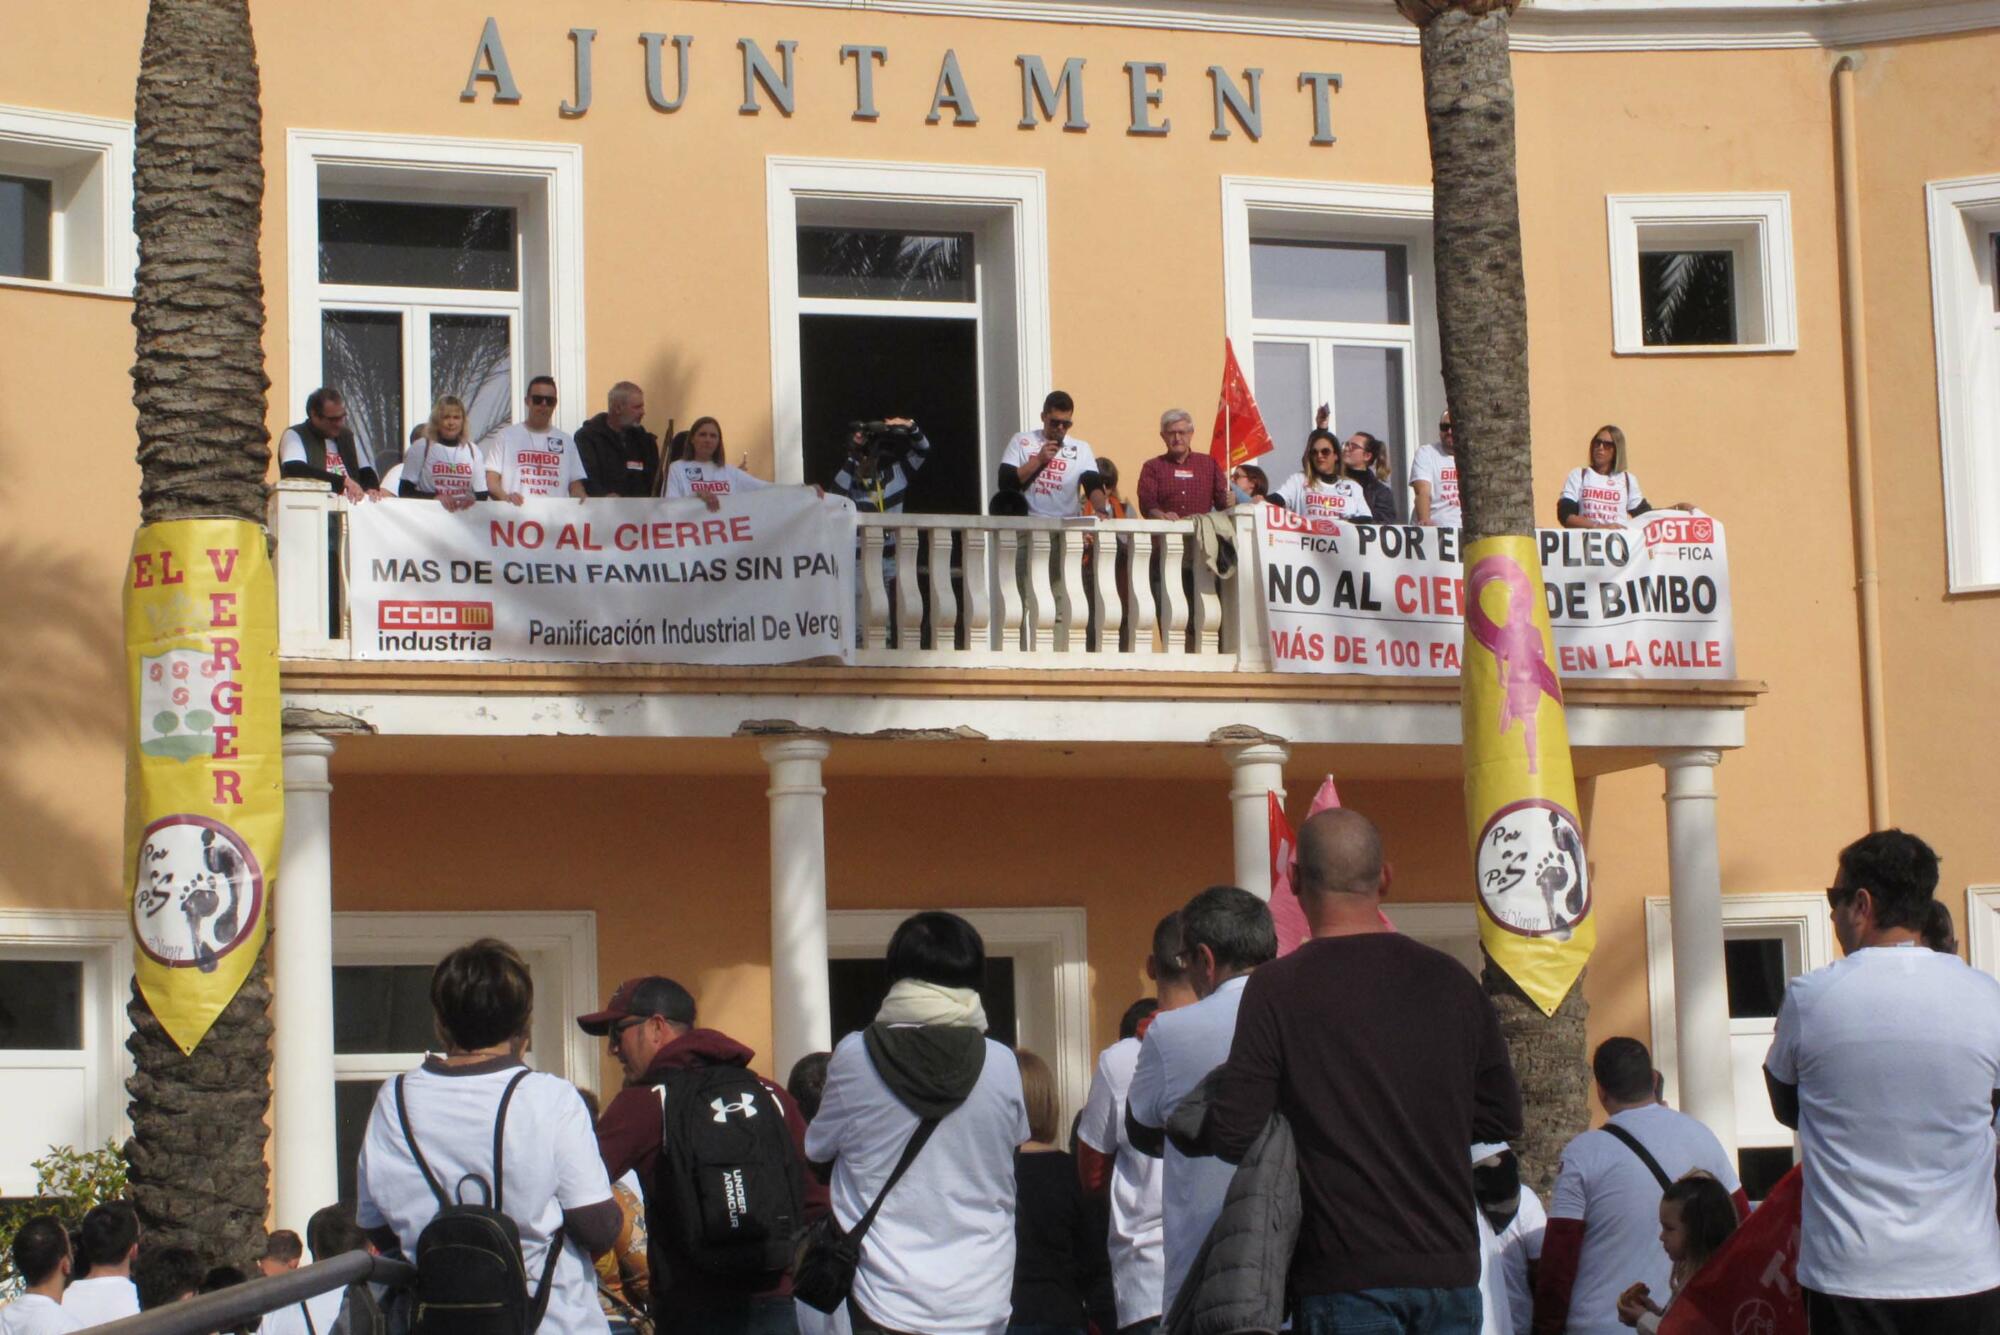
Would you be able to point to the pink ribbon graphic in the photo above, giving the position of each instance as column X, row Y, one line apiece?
column 1517, row 648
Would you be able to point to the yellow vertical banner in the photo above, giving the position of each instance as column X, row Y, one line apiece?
column 1520, row 790
column 204, row 770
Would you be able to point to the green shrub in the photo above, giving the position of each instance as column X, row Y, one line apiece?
column 67, row 1183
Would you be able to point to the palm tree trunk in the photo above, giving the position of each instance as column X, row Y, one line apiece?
column 198, row 1122
column 1483, row 326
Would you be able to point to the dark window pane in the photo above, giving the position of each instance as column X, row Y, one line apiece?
column 1689, row 297
column 884, row 266
column 382, row 1008
column 1756, row 970
column 1761, row 1169
column 25, row 215
column 353, row 1102
column 361, row 354
column 417, row 245
column 860, row 367
column 472, row 359
column 41, row 1005
column 858, row 987
column 1325, row 280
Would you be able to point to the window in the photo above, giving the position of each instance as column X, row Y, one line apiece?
column 1329, row 292
column 1965, row 304
column 902, row 289
column 382, row 1001
column 1702, row 273
column 62, row 1026
column 429, row 267
column 66, row 201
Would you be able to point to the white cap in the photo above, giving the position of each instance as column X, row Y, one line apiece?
column 1486, row 1149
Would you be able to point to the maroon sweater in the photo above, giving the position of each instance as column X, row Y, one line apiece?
column 1386, row 1058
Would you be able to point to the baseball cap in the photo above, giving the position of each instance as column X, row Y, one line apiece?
column 638, row 998
column 1486, row 1149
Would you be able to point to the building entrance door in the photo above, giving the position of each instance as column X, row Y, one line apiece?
column 858, row 368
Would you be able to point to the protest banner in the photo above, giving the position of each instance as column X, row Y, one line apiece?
column 766, row 578
column 1649, row 601
column 1751, row 1286
column 204, row 791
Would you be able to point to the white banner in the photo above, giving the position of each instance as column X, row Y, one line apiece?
column 768, row 578
column 1650, row 600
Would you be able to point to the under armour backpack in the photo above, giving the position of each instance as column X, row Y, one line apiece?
column 471, row 1279
column 729, row 1190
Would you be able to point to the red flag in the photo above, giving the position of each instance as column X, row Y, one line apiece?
column 1239, row 427
column 1286, row 912
column 1751, row 1286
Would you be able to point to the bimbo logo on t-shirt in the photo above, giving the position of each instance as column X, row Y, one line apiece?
column 1604, row 503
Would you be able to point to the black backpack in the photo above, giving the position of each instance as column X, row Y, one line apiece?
column 728, row 1195
column 470, row 1276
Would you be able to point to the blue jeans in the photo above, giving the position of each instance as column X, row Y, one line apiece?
column 1390, row 1312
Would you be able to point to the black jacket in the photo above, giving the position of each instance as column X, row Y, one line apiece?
column 1381, row 500
column 608, row 454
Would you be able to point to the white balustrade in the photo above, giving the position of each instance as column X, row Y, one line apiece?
column 931, row 591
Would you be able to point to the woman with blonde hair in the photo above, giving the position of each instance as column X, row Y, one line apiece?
column 442, row 465
column 1603, row 494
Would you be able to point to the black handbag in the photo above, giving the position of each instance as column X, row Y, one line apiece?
column 823, row 1267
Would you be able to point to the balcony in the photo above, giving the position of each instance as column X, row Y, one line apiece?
column 968, row 628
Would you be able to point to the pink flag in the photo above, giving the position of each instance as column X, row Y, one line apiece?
column 1286, row 912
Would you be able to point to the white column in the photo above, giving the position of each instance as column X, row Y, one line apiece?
column 1701, row 987
column 801, row 1016
column 305, row 1173
column 1260, row 771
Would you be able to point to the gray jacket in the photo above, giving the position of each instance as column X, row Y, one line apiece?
column 1238, row 1283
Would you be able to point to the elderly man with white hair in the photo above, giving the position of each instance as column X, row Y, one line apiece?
column 1181, row 483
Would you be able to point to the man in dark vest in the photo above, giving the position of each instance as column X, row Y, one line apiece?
column 324, row 447
column 620, row 457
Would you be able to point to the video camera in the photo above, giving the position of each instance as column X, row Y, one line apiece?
column 883, row 442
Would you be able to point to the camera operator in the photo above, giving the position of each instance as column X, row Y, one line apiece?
column 882, row 457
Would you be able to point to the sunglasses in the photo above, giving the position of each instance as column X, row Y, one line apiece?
column 1607, row 444
column 1835, row 896
column 542, row 400
column 1061, row 423
column 1323, row 452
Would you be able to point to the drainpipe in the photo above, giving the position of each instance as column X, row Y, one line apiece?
column 1861, row 449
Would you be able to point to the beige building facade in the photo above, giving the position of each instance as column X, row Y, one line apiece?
column 1078, row 194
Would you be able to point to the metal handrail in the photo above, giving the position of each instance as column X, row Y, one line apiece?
column 229, row 1308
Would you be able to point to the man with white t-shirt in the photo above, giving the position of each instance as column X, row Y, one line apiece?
column 533, row 457
column 1226, row 933
column 1887, row 1063
column 1046, row 464
column 110, row 1244
column 1604, row 1215
column 42, row 1260
column 1434, row 479
column 1110, row 1165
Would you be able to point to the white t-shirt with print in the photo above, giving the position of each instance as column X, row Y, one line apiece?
column 325, row 1308
column 1603, row 499
column 1181, row 1047
column 534, row 463
column 107, row 1298
column 1603, row 1183
column 1339, row 499
column 1434, row 466
column 1138, row 1261
column 448, row 470
column 552, row 1166
column 940, row 1255
column 1516, row 1245
column 292, row 450
column 1052, row 493
column 34, row 1314
column 688, row 478
column 1896, row 1053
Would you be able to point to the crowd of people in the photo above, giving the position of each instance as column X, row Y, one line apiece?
column 1321, row 1138
column 1046, row 471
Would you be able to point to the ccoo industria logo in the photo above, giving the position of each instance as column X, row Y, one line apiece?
column 418, row 625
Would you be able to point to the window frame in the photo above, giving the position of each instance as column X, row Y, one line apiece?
column 1964, row 215
column 93, row 249
column 543, row 182
column 1756, row 227
column 1266, row 208
column 101, row 939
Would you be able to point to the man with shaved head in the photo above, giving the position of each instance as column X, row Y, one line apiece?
column 1386, row 1058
